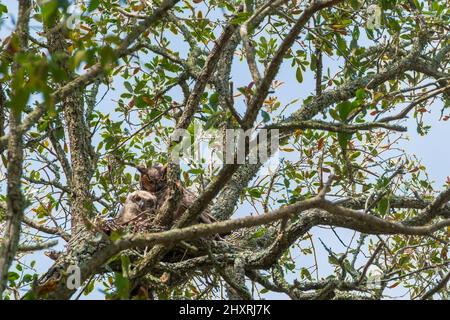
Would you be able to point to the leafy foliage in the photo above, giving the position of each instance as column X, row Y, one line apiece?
column 341, row 70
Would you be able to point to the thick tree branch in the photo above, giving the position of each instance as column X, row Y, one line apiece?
column 15, row 201
column 37, row 246
column 335, row 127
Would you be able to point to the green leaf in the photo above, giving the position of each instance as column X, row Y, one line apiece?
column 49, row 10
column 299, row 75
column 122, row 285
column 107, row 54
column 343, row 139
column 355, row 4
column 3, row 9
column 93, row 4
column 265, row 115
column 89, row 288
column 333, row 260
column 128, row 86
column 334, row 115
column 241, row 17
column 27, row 278
column 304, row 273
column 344, row 109
column 342, row 45
column 13, row 276
column 255, row 193
column 360, row 94
column 259, row 233
column 79, row 57
column 115, row 235
column 196, row 171
column 214, row 99
column 383, row 206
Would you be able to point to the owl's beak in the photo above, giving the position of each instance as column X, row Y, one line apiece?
column 141, row 169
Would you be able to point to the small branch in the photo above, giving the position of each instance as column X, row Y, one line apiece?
column 37, row 246
column 441, row 285
column 369, row 262
column 432, row 209
column 370, row 203
column 60, row 154
column 45, row 229
column 406, row 110
column 440, row 200
column 36, row 42
column 327, row 187
column 169, row 56
column 130, row 15
column 54, row 183
column 319, row 72
column 204, row 76
column 335, row 127
column 230, row 105
column 249, row 51
column 381, row 224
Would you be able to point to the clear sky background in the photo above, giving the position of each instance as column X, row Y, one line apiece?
column 431, row 149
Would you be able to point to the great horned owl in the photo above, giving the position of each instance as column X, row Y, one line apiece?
column 137, row 203
column 153, row 180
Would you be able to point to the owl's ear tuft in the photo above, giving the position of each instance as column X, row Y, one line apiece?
column 142, row 169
